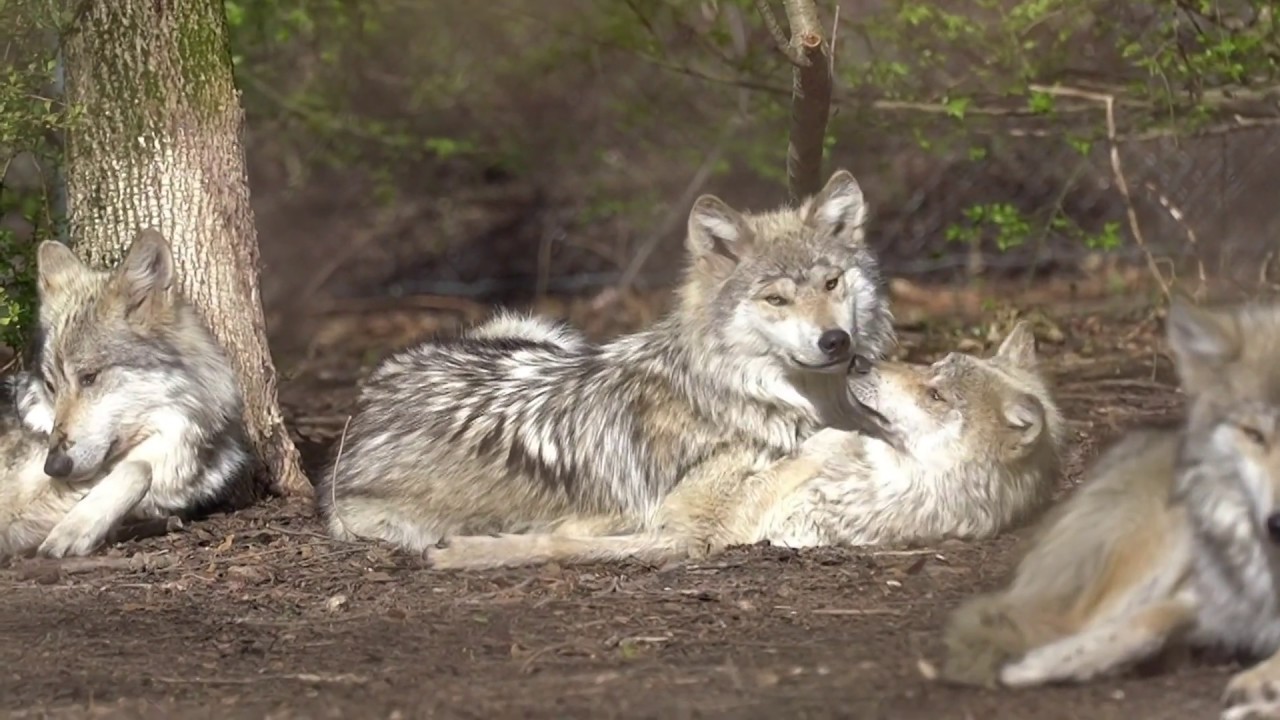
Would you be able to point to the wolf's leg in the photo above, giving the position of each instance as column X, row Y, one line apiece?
column 1254, row 693
column 1106, row 647
column 88, row 522
column 764, row 491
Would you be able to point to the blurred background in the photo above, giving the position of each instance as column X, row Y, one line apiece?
column 413, row 162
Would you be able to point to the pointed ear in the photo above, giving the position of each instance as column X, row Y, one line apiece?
column 1019, row 346
column 839, row 210
column 147, row 271
column 57, row 266
column 1202, row 340
column 717, row 233
column 1025, row 416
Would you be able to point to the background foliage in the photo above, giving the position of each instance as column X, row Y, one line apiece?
column 954, row 110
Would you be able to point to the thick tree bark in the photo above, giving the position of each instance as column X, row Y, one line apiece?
column 161, row 146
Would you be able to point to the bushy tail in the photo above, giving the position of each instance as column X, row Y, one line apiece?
column 494, row 551
column 988, row 631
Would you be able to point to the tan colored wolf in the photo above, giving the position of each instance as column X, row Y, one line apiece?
column 505, row 433
column 980, row 452
column 1171, row 543
column 131, row 413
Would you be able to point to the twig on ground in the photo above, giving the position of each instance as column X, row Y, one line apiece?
column 854, row 611
column 333, row 476
column 143, row 529
column 310, row 678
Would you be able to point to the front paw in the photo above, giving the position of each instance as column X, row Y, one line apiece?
column 68, row 540
column 1253, row 694
column 827, row 442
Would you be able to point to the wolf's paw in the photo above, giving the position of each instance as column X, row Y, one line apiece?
column 827, row 442
column 444, row 553
column 68, row 541
column 1254, row 694
column 475, row 552
column 1022, row 674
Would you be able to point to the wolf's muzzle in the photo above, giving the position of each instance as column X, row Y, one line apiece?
column 58, row 464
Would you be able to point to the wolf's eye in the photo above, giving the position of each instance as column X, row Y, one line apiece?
column 775, row 300
column 48, row 386
column 87, row 379
column 1254, row 435
column 934, row 395
column 833, row 283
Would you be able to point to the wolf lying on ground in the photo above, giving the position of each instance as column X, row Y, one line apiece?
column 133, row 412
column 489, row 433
column 981, row 441
column 1171, row 543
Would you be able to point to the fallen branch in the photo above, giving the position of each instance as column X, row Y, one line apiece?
column 1117, row 170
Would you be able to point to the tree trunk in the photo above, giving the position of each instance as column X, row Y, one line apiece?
column 809, row 53
column 160, row 146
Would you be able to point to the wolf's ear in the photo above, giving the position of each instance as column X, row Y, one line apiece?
column 147, row 271
column 1202, row 340
column 1025, row 415
column 56, row 266
column 1019, row 346
column 839, row 210
column 717, row 233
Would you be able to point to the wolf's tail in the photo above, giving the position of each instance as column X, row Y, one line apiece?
column 988, row 631
column 510, row 550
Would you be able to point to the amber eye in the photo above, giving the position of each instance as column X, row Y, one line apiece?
column 833, row 283
column 934, row 395
column 776, row 300
column 87, row 379
column 1254, row 435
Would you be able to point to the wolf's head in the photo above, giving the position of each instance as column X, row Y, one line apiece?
column 1227, row 365
column 1235, row 458
column 797, row 284
column 114, row 349
column 965, row 407
column 1225, row 355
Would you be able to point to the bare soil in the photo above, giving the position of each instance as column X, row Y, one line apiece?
column 260, row 615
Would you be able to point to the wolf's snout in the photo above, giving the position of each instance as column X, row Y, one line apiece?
column 1273, row 527
column 835, row 343
column 58, row 464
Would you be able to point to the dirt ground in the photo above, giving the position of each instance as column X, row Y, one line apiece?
column 259, row 615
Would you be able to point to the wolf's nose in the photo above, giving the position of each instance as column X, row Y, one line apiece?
column 1273, row 527
column 834, row 342
column 57, row 465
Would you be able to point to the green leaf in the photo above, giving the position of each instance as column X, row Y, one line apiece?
column 956, row 107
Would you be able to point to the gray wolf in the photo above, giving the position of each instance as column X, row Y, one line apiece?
column 132, row 412
column 1169, row 545
column 980, row 451
column 508, row 431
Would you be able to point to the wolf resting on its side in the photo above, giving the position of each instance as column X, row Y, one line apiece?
column 134, row 411
column 1172, row 542
column 981, row 441
column 498, row 433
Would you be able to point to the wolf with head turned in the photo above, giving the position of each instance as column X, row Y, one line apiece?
column 981, row 441
column 509, row 431
column 131, row 411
